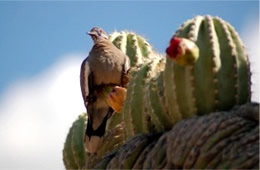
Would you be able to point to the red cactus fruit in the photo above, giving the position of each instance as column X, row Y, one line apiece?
column 182, row 51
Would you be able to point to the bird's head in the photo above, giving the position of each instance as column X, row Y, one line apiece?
column 97, row 34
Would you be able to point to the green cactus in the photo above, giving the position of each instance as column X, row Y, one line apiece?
column 136, row 117
column 142, row 57
column 163, row 93
column 134, row 46
column 74, row 155
column 218, row 80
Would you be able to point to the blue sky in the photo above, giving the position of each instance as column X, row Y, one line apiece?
column 42, row 45
column 35, row 34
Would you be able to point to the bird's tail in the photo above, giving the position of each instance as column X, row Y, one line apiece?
column 93, row 138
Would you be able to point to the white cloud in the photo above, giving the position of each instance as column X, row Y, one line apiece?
column 250, row 36
column 35, row 116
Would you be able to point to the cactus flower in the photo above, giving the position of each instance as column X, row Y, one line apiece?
column 183, row 51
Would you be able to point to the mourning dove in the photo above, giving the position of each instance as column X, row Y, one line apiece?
column 104, row 68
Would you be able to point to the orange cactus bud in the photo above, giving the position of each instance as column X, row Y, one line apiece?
column 116, row 98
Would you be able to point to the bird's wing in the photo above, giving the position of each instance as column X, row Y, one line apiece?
column 86, row 80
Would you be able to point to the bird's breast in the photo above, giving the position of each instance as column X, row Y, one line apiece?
column 106, row 71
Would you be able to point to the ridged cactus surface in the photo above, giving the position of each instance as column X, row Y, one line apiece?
column 143, row 65
column 220, row 78
column 74, row 155
column 167, row 92
column 220, row 140
column 134, row 46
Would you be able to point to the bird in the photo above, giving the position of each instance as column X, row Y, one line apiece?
column 106, row 66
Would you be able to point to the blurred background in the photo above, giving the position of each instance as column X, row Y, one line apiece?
column 42, row 45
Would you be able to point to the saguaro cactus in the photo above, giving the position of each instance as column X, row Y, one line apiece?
column 217, row 80
column 165, row 92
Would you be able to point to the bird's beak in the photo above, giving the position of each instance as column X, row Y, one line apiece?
column 91, row 33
